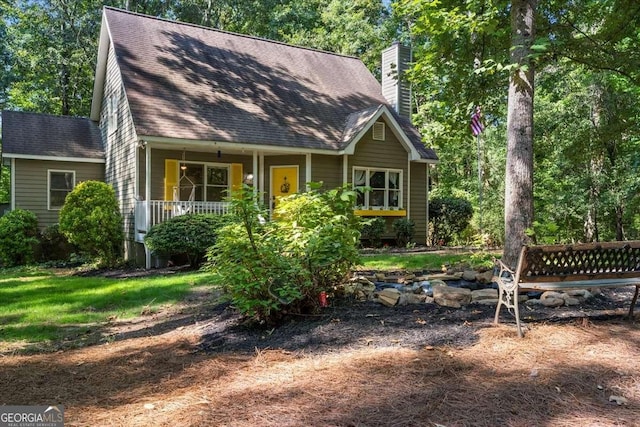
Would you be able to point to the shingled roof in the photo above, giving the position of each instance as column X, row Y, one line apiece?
column 34, row 135
column 189, row 82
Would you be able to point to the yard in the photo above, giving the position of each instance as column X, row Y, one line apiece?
column 160, row 350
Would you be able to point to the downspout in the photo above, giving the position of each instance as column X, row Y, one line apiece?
column 147, row 194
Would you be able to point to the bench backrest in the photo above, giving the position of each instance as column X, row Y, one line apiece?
column 610, row 260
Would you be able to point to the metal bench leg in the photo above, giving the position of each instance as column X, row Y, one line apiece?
column 633, row 302
column 516, row 309
column 496, row 319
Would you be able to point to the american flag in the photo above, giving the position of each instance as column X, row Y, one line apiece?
column 476, row 122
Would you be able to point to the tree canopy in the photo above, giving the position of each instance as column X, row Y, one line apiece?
column 586, row 57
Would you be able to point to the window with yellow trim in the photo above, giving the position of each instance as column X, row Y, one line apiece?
column 384, row 188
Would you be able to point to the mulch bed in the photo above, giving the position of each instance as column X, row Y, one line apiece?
column 353, row 364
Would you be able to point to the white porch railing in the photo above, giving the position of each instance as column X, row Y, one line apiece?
column 152, row 212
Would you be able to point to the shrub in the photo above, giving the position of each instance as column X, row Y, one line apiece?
column 271, row 268
column 186, row 235
column 54, row 245
column 448, row 216
column 404, row 229
column 90, row 218
column 18, row 231
column 372, row 230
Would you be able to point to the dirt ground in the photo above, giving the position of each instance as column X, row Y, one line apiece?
column 354, row 364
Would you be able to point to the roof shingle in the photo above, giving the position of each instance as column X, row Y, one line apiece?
column 189, row 82
column 45, row 135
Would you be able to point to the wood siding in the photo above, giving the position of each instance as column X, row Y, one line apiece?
column 327, row 169
column 418, row 208
column 120, row 148
column 32, row 185
column 391, row 154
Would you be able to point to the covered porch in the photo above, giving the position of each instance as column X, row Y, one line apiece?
column 196, row 178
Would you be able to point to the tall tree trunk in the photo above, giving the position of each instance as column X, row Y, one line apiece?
column 518, row 212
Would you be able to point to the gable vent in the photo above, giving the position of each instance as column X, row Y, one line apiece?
column 378, row 131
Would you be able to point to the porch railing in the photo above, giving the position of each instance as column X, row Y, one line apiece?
column 159, row 211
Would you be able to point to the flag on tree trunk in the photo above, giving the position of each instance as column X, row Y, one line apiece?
column 476, row 122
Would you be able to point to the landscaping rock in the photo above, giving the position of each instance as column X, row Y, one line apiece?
column 581, row 294
column 484, row 278
column 484, row 294
column 448, row 296
column 570, row 301
column 552, row 299
column 469, row 275
column 389, row 296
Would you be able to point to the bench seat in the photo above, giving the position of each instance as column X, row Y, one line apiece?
column 562, row 268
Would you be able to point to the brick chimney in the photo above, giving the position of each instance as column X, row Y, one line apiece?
column 395, row 89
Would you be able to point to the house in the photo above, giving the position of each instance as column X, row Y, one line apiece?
column 185, row 113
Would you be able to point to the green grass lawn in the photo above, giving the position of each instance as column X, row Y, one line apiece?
column 39, row 305
column 424, row 261
column 42, row 305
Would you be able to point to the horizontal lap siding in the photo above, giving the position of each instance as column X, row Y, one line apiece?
column 418, row 208
column 387, row 154
column 32, row 180
column 327, row 169
column 120, row 149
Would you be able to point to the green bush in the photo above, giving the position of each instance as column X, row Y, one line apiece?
column 18, row 231
column 269, row 268
column 54, row 245
column 448, row 217
column 373, row 229
column 90, row 218
column 185, row 235
column 404, row 229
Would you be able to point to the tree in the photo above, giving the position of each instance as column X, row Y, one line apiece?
column 53, row 46
column 518, row 207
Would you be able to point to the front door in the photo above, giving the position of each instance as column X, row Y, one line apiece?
column 284, row 181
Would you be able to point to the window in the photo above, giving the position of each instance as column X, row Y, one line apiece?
column 60, row 184
column 112, row 114
column 202, row 182
column 384, row 185
column 217, row 183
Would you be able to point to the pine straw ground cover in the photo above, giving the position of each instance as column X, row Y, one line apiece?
column 358, row 365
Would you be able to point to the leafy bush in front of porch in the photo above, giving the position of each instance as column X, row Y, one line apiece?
column 269, row 268
column 188, row 235
column 90, row 218
column 18, row 231
column 448, row 217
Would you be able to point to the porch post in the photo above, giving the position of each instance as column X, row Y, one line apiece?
column 261, row 175
column 307, row 171
column 255, row 173
column 345, row 168
column 13, row 183
column 147, row 196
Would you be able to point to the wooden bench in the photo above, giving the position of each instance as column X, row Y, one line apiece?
column 566, row 267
